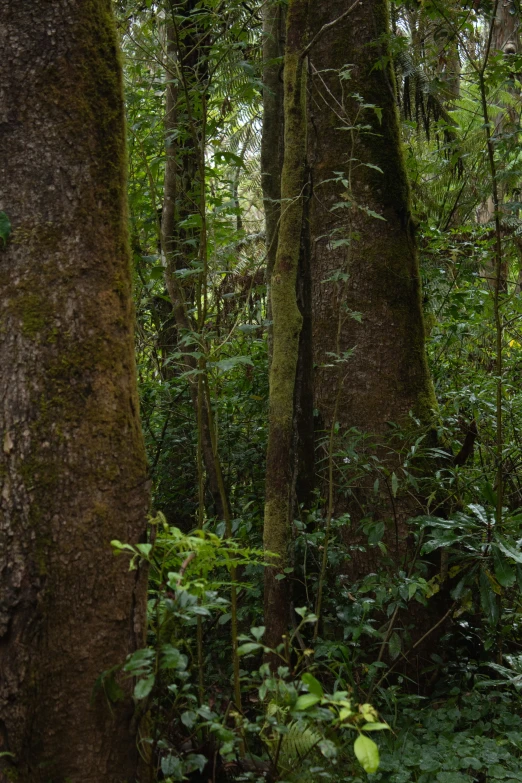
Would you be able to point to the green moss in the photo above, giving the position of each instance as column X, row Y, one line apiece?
column 10, row 773
column 286, row 317
column 47, row 236
column 34, row 313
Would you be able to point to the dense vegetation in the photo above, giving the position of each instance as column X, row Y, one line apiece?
column 430, row 641
column 391, row 650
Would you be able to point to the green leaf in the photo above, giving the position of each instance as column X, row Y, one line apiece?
column 395, row 484
column 140, row 661
column 200, row 610
column 172, row 658
column 372, row 165
column 504, row 571
column 171, row 766
column 375, row 726
column 228, row 364
column 367, row 753
column 314, row 686
column 509, row 550
column 394, row 645
column 188, row 718
column 195, row 761
column 144, row 687
column 490, row 494
column 119, row 547
column 5, row 227
column 156, row 273
column 372, row 213
column 306, row 700
column 249, row 647
column 488, row 599
column 376, row 533
column 113, row 690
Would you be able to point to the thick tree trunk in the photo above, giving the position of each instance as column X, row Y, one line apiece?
column 72, row 465
column 363, row 250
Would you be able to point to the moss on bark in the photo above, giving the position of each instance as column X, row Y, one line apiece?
column 72, row 469
column 386, row 375
column 287, row 322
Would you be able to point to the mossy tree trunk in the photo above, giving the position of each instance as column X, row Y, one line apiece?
column 72, row 462
column 287, row 323
column 368, row 332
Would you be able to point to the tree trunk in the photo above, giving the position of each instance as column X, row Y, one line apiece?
column 72, row 466
column 287, row 322
column 505, row 39
column 272, row 140
column 180, row 202
column 506, row 36
column 368, row 331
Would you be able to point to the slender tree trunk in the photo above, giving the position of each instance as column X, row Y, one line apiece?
column 272, row 153
column 368, row 330
column 287, row 322
column 506, row 35
column 272, row 140
column 179, row 203
column 72, row 466
column 505, row 39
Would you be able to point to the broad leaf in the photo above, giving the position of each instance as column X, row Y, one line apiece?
column 306, row 700
column 249, row 647
column 509, row 550
column 504, row 570
column 314, row 686
column 367, row 753
column 144, row 687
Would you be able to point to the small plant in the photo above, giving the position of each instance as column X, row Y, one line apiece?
column 292, row 729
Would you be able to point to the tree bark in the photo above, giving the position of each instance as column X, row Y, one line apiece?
column 272, row 140
column 363, row 251
column 287, row 322
column 72, row 463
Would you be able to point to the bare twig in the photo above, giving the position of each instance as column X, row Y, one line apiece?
column 419, row 641
column 326, row 27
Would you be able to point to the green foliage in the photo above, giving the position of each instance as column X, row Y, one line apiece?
column 298, row 729
column 465, row 738
column 5, row 227
column 463, row 566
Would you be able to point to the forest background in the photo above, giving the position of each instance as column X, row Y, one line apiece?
column 324, row 210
